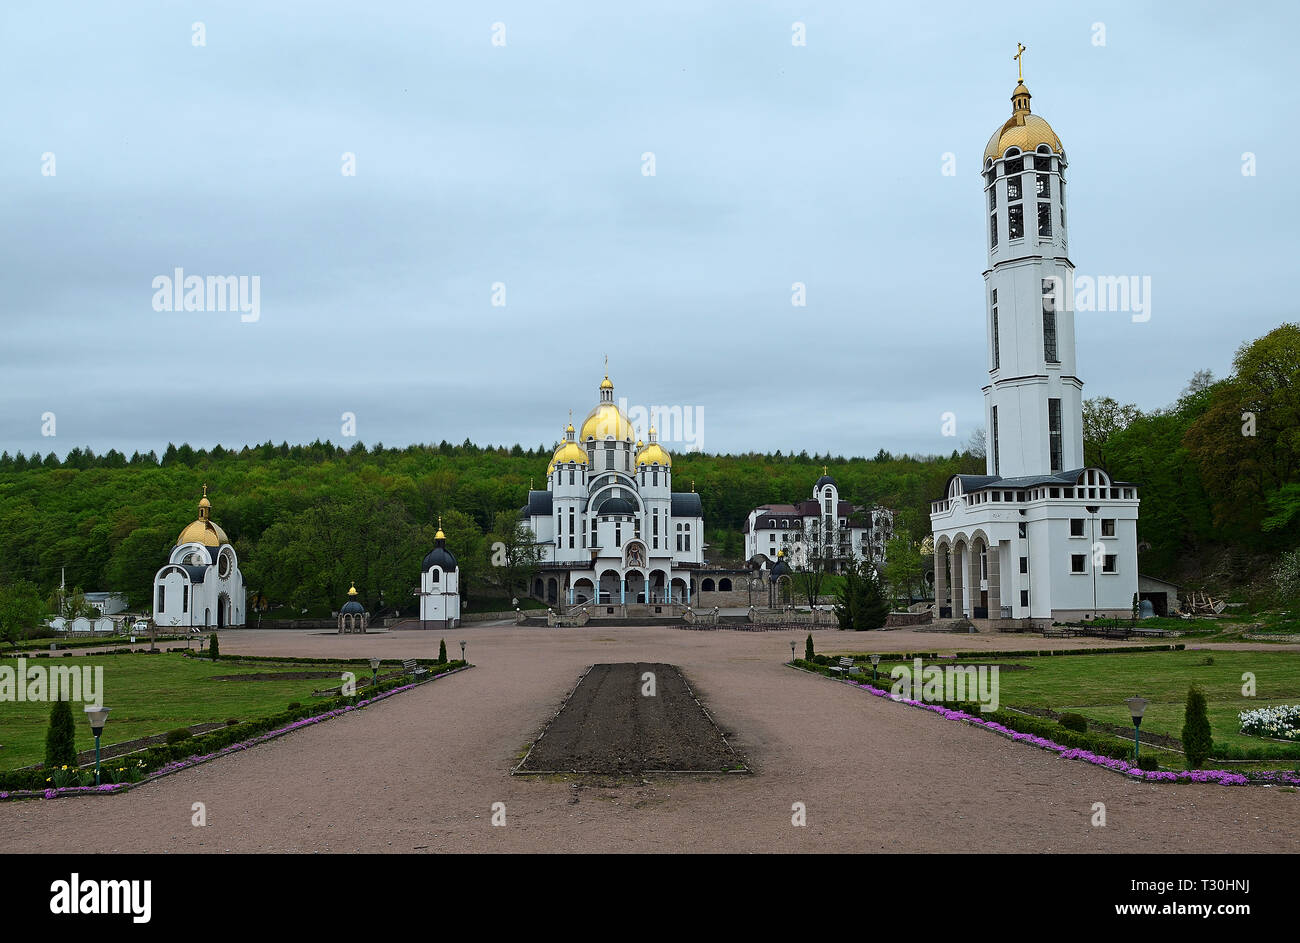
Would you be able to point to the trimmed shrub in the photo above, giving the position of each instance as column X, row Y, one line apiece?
column 61, row 738
column 177, row 735
column 1197, row 741
column 1076, row 722
column 231, row 722
column 442, row 651
column 294, row 705
column 1148, row 763
column 808, row 651
column 214, row 649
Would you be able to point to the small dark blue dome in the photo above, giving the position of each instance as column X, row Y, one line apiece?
column 439, row 556
column 352, row 606
column 780, row 569
column 617, row 506
column 826, row 480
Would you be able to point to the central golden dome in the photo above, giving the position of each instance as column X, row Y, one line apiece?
column 604, row 421
column 1023, row 130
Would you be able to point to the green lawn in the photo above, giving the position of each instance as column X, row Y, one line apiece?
column 151, row 694
column 1096, row 686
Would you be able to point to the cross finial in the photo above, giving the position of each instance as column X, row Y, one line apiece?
column 205, row 491
column 1020, row 64
column 824, row 471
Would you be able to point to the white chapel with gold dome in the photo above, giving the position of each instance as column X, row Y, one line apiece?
column 201, row 586
column 609, row 521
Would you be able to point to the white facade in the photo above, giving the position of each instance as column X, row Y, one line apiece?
column 200, row 587
column 788, row 529
column 440, row 586
column 1039, row 536
column 609, row 521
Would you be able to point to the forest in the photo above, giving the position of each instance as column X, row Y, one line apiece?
column 1218, row 470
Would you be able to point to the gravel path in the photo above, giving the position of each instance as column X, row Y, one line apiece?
column 420, row 771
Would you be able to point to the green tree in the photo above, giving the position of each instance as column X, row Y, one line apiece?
column 1103, row 419
column 21, row 610
column 442, row 651
column 1197, row 741
column 808, row 651
column 515, row 552
column 61, row 737
column 903, row 567
column 214, row 648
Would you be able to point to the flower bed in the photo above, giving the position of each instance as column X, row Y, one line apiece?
column 1220, row 776
column 280, row 728
column 1280, row 723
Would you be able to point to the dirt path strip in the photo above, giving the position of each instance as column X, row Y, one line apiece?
column 629, row 719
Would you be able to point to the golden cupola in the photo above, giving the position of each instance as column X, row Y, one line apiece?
column 653, row 453
column 567, row 452
column 1023, row 129
column 606, row 421
column 203, row 531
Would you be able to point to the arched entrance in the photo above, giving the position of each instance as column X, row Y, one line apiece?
column 583, row 591
column 636, row 586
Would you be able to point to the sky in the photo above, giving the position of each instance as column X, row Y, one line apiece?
column 504, row 144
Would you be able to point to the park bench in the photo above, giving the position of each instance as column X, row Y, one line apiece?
column 845, row 666
column 411, row 668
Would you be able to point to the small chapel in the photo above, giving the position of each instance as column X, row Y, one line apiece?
column 200, row 587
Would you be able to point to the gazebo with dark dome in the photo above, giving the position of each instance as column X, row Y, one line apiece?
column 353, row 616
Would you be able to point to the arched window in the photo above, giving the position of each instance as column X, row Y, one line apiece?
column 707, row 586
column 724, row 585
column 434, row 575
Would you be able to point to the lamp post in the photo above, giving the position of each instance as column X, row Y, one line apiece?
column 98, row 716
column 875, row 662
column 462, row 649
column 1137, row 707
column 374, row 671
column 792, row 650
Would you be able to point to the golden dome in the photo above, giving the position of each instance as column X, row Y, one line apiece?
column 203, row 531
column 566, row 453
column 606, row 420
column 440, row 535
column 654, row 454
column 1023, row 130
column 607, row 383
column 353, row 591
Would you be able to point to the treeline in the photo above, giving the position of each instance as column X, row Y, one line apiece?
column 305, row 519
column 1218, row 470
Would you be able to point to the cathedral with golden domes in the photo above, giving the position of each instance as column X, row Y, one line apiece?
column 200, row 587
column 610, row 527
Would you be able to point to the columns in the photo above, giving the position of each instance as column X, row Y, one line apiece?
column 973, row 568
column 940, row 576
column 622, row 591
column 958, row 581
column 995, row 581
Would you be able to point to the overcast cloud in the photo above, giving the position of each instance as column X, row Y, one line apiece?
column 521, row 164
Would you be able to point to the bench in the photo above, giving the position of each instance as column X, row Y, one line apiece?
column 411, row 668
column 846, row 666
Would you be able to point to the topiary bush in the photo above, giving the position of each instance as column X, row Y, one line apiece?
column 1076, row 722
column 177, row 735
column 61, row 738
column 808, row 651
column 442, row 651
column 294, row 705
column 1148, row 763
column 1197, row 741
column 214, row 649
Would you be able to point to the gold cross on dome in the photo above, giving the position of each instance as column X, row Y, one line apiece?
column 205, row 491
column 824, row 471
column 1020, row 64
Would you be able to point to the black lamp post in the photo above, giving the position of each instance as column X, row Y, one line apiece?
column 374, row 671
column 792, row 650
column 1137, row 707
column 875, row 661
column 462, row 649
column 98, row 716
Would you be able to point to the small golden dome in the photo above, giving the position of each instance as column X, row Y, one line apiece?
column 568, row 428
column 604, row 421
column 1023, row 130
column 654, row 454
column 440, row 535
column 566, row 453
column 353, row 591
column 639, row 445
column 203, row 531
column 607, row 383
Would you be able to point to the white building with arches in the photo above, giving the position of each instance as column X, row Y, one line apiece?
column 1040, row 536
column 200, row 587
column 609, row 524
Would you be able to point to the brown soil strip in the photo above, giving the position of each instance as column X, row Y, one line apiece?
column 607, row 726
